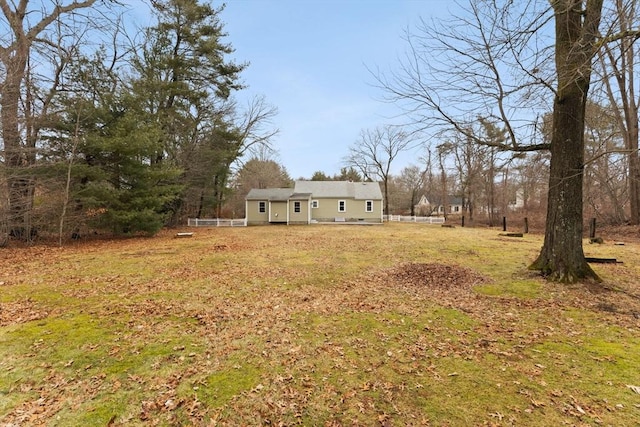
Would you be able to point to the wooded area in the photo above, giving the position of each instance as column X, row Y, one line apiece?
column 104, row 130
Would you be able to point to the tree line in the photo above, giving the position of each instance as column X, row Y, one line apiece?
column 490, row 182
column 113, row 131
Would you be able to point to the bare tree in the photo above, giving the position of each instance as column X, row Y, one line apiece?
column 576, row 36
column 256, row 173
column 26, row 24
column 605, row 176
column 412, row 181
column 256, row 128
column 469, row 159
column 428, row 161
column 374, row 153
column 255, row 132
column 617, row 77
column 444, row 149
column 477, row 166
column 75, row 140
column 531, row 175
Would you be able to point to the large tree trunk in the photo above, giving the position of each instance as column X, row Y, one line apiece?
column 386, row 194
column 626, row 82
column 443, row 189
column 19, row 187
column 634, row 171
column 562, row 257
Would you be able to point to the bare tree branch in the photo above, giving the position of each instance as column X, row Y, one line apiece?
column 491, row 60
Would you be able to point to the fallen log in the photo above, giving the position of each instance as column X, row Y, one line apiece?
column 603, row 260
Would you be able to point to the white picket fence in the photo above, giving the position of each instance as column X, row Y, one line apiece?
column 420, row 219
column 242, row 222
column 216, row 222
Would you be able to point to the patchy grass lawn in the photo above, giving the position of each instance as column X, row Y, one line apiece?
column 401, row 324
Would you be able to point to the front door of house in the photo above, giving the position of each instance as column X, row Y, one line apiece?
column 278, row 212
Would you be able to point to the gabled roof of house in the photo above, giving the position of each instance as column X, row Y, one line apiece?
column 304, row 190
column 271, row 194
column 300, row 196
column 437, row 200
column 340, row 189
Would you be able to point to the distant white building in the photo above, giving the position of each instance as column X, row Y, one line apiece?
column 432, row 205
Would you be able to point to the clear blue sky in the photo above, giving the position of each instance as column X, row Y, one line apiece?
column 309, row 58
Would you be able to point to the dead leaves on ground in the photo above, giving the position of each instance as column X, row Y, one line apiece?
column 254, row 316
column 435, row 276
column 16, row 312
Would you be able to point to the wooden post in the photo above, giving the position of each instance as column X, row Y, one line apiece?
column 463, row 220
column 526, row 225
column 592, row 228
column 504, row 223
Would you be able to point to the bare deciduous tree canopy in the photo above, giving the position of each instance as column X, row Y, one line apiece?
column 373, row 154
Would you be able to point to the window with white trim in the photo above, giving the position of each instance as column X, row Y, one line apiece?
column 342, row 206
column 315, row 204
column 262, row 207
column 369, row 206
column 296, row 207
